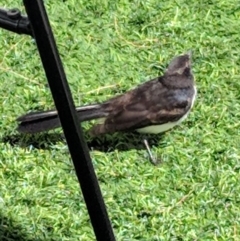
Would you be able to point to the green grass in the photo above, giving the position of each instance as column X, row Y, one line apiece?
column 108, row 47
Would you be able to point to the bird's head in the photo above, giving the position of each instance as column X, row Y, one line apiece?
column 180, row 64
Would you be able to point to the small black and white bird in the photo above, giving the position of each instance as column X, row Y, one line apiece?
column 153, row 107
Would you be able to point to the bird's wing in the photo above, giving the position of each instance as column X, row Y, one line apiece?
column 155, row 107
column 139, row 115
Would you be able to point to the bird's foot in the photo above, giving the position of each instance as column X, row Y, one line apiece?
column 153, row 160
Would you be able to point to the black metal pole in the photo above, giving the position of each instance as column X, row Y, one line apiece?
column 12, row 20
column 71, row 127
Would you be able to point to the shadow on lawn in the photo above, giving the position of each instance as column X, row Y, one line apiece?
column 10, row 231
column 105, row 143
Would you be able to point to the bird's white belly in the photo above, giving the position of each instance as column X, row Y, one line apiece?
column 155, row 129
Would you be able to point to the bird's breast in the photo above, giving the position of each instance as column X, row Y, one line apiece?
column 156, row 129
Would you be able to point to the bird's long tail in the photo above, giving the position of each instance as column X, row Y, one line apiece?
column 35, row 122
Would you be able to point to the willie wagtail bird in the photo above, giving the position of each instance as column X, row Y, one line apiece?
column 153, row 107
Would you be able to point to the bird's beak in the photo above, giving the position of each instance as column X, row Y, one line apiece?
column 188, row 62
column 189, row 53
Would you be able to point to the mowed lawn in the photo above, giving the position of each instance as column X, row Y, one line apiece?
column 108, row 47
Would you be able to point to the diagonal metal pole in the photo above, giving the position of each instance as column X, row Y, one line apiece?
column 64, row 104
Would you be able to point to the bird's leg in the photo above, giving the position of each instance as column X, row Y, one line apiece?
column 153, row 160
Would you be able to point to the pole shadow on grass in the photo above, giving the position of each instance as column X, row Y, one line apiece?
column 104, row 143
